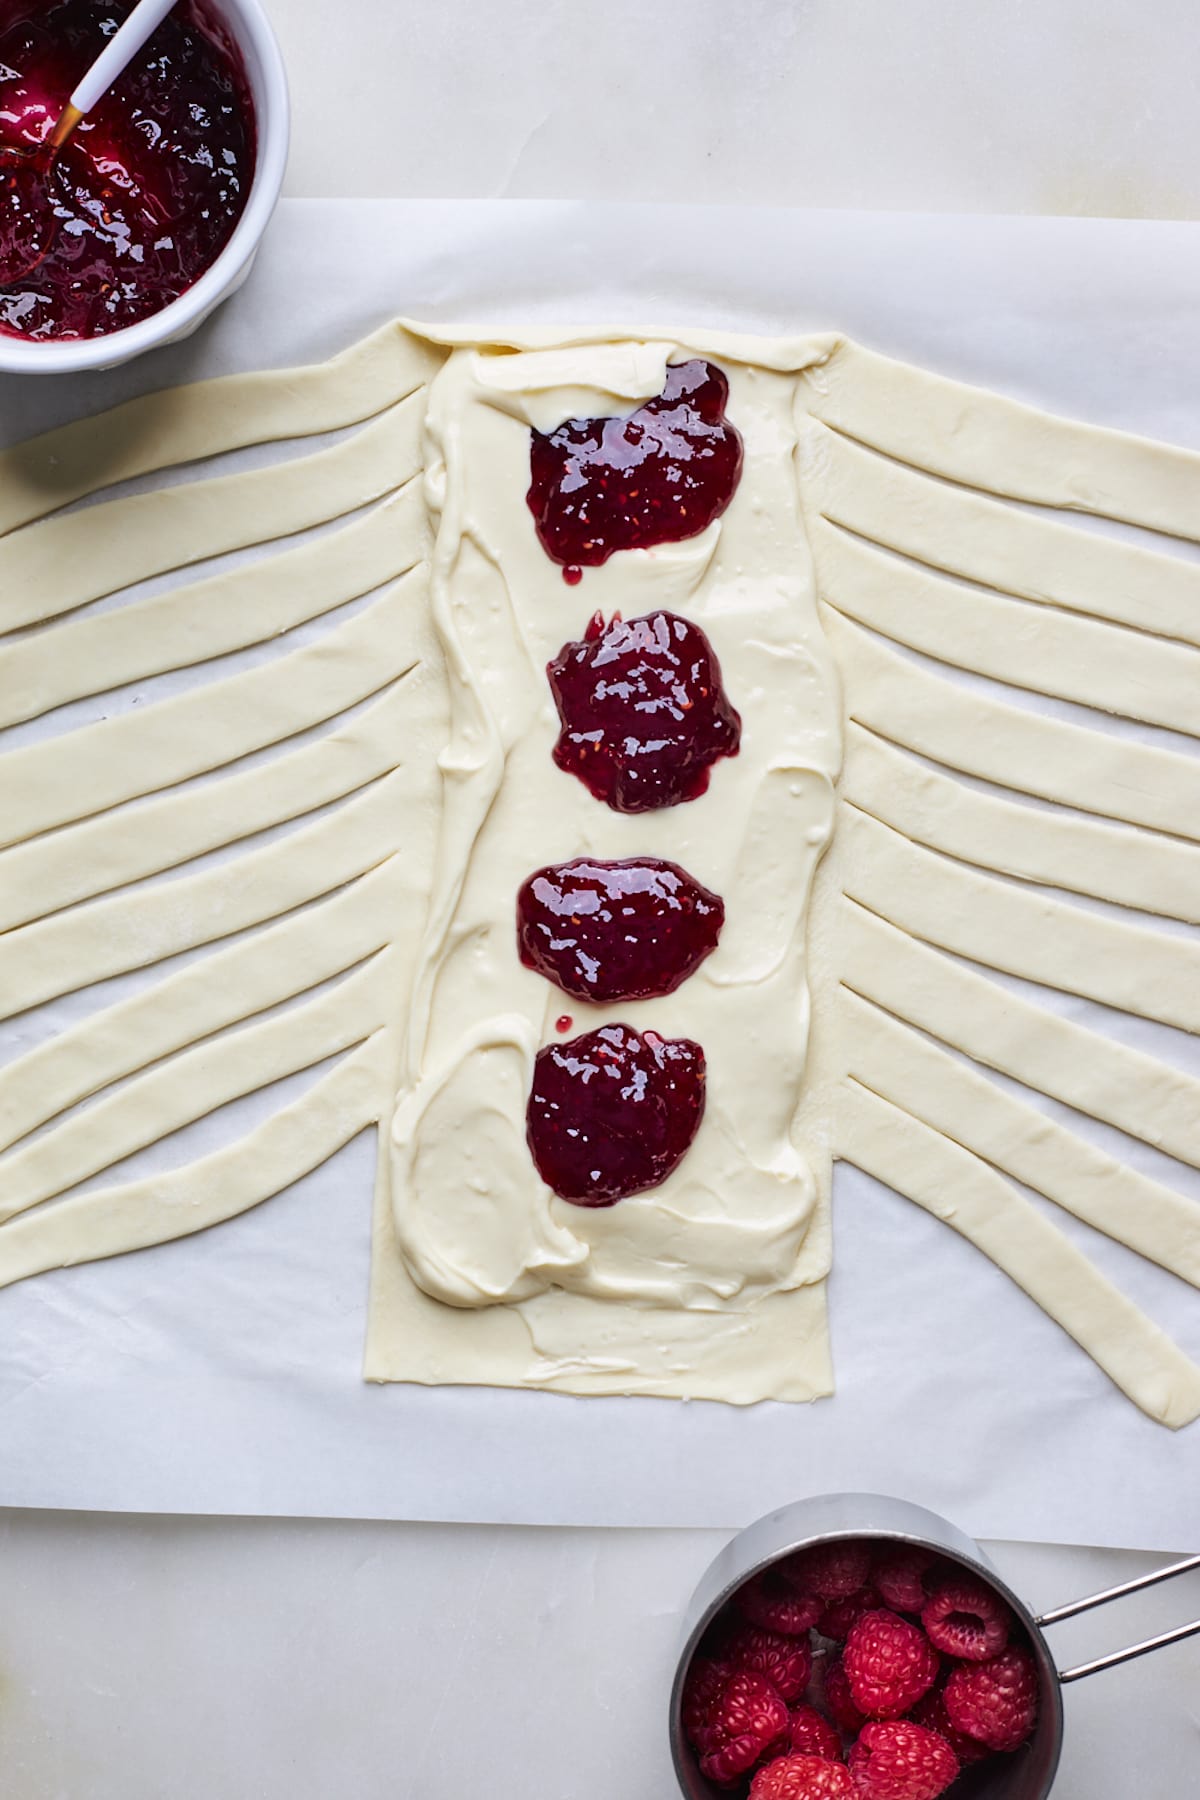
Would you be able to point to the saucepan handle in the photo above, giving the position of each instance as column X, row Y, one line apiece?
column 1117, row 1593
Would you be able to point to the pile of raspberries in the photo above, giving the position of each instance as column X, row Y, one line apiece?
column 858, row 1671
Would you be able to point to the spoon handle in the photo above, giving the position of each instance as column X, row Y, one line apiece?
column 118, row 53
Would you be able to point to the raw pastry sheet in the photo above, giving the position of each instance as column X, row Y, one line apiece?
column 221, row 1373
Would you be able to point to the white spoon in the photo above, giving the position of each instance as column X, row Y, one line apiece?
column 27, row 220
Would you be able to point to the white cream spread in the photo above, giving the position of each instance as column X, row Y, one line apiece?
column 474, row 1223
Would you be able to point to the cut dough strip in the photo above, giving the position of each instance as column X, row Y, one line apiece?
column 138, row 753
column 130, row 931
column 271, row 966
column 983, row 540
column 1102, row 666
column 207, row 418
column 94, row 857
column 1147, row 1099
column 1131, row 868
column 1010, row 745
column 1025, row 934
column 947, row 1181
column 194, row 1083
column 210, row 618
column 49, row 568
column 159, row 1208
column 905, row 1068
column 986, row 441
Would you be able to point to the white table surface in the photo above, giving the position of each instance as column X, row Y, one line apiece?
column 253, row 1659
column 1045, row 106
column 204, row 1659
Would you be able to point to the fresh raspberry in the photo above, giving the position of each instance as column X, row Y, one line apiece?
column 931, row 1712
column 785, row 1661
column 774, row 1603
column 841, row 1616
column 997, row 1701
column 812, row 1735
column 728, row 1765
column 832, row 1570
column 897, row 1760
column 803, row 1778
column 839, row 1699
column 702, row 1685
column 966, row 1618
column 899, row 1574
column 744, row 1719
column 889, row 1663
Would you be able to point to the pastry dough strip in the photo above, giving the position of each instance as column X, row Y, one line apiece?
column 104, row 938
column 1002, row 446
column 213, row 725
column 1061, row 946
column 211, row 618
column 1132, row 868
column 947, row 1181
column 1106, row 667
column 97, row 855
column 50, row 568
column 207, row 996
column 194, row 1083
column 1052, row 1055
column 1034, row 558
column 160, row 1208
column 902, row 1066
column 1010, row 745
column 208, row 418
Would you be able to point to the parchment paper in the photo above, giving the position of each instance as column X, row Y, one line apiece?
column 221, row 1374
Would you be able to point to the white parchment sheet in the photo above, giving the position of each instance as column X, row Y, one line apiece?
column 221, row 1373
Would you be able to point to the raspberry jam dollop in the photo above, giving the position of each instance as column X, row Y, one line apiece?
column 611, row 1113
column 663, row 474
column 146, row 192
column 609, row 931
column 644, row 711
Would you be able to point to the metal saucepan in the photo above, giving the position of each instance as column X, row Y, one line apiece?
column 1026, row 1775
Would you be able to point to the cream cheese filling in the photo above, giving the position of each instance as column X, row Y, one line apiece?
column 474, row 1223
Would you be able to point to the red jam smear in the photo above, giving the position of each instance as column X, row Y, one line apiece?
column 609, row 931
column 644, row 711
column 663, row 474
column 613, row 1112
column 146, row 192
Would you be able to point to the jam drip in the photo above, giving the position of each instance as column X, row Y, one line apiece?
column 666, row 473
column 146, row 192
column 644, row 711
column 608, row 931
column 611, row 1113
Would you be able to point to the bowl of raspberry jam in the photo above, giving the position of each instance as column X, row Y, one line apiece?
column 151, row 213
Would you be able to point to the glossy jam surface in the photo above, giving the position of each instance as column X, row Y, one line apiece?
column 146, row 192
column 611, row 1113
column 27, row 221
column 644, row 712
column 665, row 473
column 609, row 931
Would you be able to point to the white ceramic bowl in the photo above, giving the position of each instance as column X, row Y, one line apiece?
column 248, row 26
